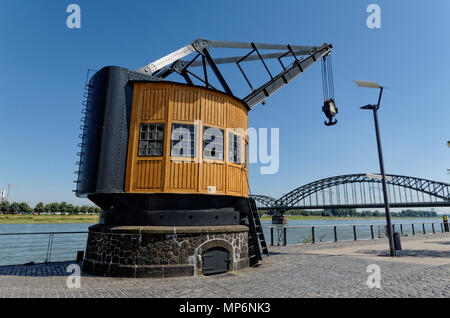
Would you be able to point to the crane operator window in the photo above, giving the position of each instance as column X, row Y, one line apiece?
column 212, row 143
column 151, row 138
column 183, row 140
column 234, row 148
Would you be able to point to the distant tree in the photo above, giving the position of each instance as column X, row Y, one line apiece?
column 52, row 207
column 84, row 209
column 63, row 207
column 25, row 208
column 39, row 208
column 4, row 207
column 15, row 208
column 70, row 209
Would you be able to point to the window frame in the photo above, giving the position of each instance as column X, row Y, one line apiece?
column 236, row 147
column 150, row 140
column 193, row 140
column 205, row 127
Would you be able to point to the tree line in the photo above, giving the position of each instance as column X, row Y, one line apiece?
column 362, row 214
column 54, row 207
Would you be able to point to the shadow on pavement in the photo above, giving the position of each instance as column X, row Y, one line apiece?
column 38, row 270
column 441, row 242
column 410, row 253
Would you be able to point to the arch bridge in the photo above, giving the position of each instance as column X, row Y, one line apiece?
column 360, row 191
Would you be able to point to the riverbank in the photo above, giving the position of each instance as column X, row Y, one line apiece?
column 29, row 219
column 79, row 218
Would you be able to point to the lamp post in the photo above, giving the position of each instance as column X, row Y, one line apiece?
column 375, row 108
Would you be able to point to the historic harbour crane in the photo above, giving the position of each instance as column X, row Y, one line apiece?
column 167, row 160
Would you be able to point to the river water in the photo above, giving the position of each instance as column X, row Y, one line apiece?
column 20, row 249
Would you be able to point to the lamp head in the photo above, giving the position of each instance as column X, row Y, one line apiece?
column 367, row 84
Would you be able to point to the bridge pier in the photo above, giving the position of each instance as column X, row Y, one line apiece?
column 279, row 218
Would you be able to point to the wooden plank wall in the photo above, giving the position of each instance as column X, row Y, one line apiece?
column 176, row 103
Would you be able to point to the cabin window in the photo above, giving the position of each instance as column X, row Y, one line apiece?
column 183, row 140
column 212, row 143
column 151, row 138
column 234, row 148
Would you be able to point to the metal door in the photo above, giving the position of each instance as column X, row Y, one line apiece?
column 215, row 261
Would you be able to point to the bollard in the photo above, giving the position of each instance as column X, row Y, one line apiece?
column 80, row 256
column 397, row 242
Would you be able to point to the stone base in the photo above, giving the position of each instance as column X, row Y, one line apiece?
column 161, row 251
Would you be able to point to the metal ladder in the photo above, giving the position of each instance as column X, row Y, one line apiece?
column 256, row 236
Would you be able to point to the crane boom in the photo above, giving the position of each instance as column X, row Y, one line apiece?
column 173, row 63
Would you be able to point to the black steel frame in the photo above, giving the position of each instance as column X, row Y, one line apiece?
column 304, row 56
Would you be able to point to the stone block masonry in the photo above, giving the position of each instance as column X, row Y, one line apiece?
column 161, row 251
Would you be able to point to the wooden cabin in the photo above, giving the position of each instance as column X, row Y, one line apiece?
column 186, row 140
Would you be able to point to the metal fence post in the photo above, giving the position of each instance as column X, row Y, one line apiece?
column 432, row 226
column 335, row 234
column 271, row 236
column 442, row 227
column 313, row 236
column 284, row 236
column 401, row 229
column 49, row 248
column 414, row 231
column 371, row 232
column 423, row 227
column 354, row 232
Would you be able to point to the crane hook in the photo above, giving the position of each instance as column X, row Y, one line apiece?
column 330, row 110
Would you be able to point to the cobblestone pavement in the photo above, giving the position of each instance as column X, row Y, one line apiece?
column 292, row 271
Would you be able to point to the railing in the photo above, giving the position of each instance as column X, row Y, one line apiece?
column 341, row 233
column 20, row 248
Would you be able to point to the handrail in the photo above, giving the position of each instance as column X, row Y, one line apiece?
column 51, row 236
column 282, row 230
column 346, row 225
column 46, row 233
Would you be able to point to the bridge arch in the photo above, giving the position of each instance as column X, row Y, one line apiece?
column 358, row 190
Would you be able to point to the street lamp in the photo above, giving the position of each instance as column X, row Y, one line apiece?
column 380, row 157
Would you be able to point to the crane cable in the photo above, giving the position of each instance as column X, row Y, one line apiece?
column 327, row 78
column 329, row 107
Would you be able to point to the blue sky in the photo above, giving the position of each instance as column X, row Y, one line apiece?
column 44, row 66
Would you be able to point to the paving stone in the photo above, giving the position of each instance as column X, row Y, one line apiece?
column 291, row 271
